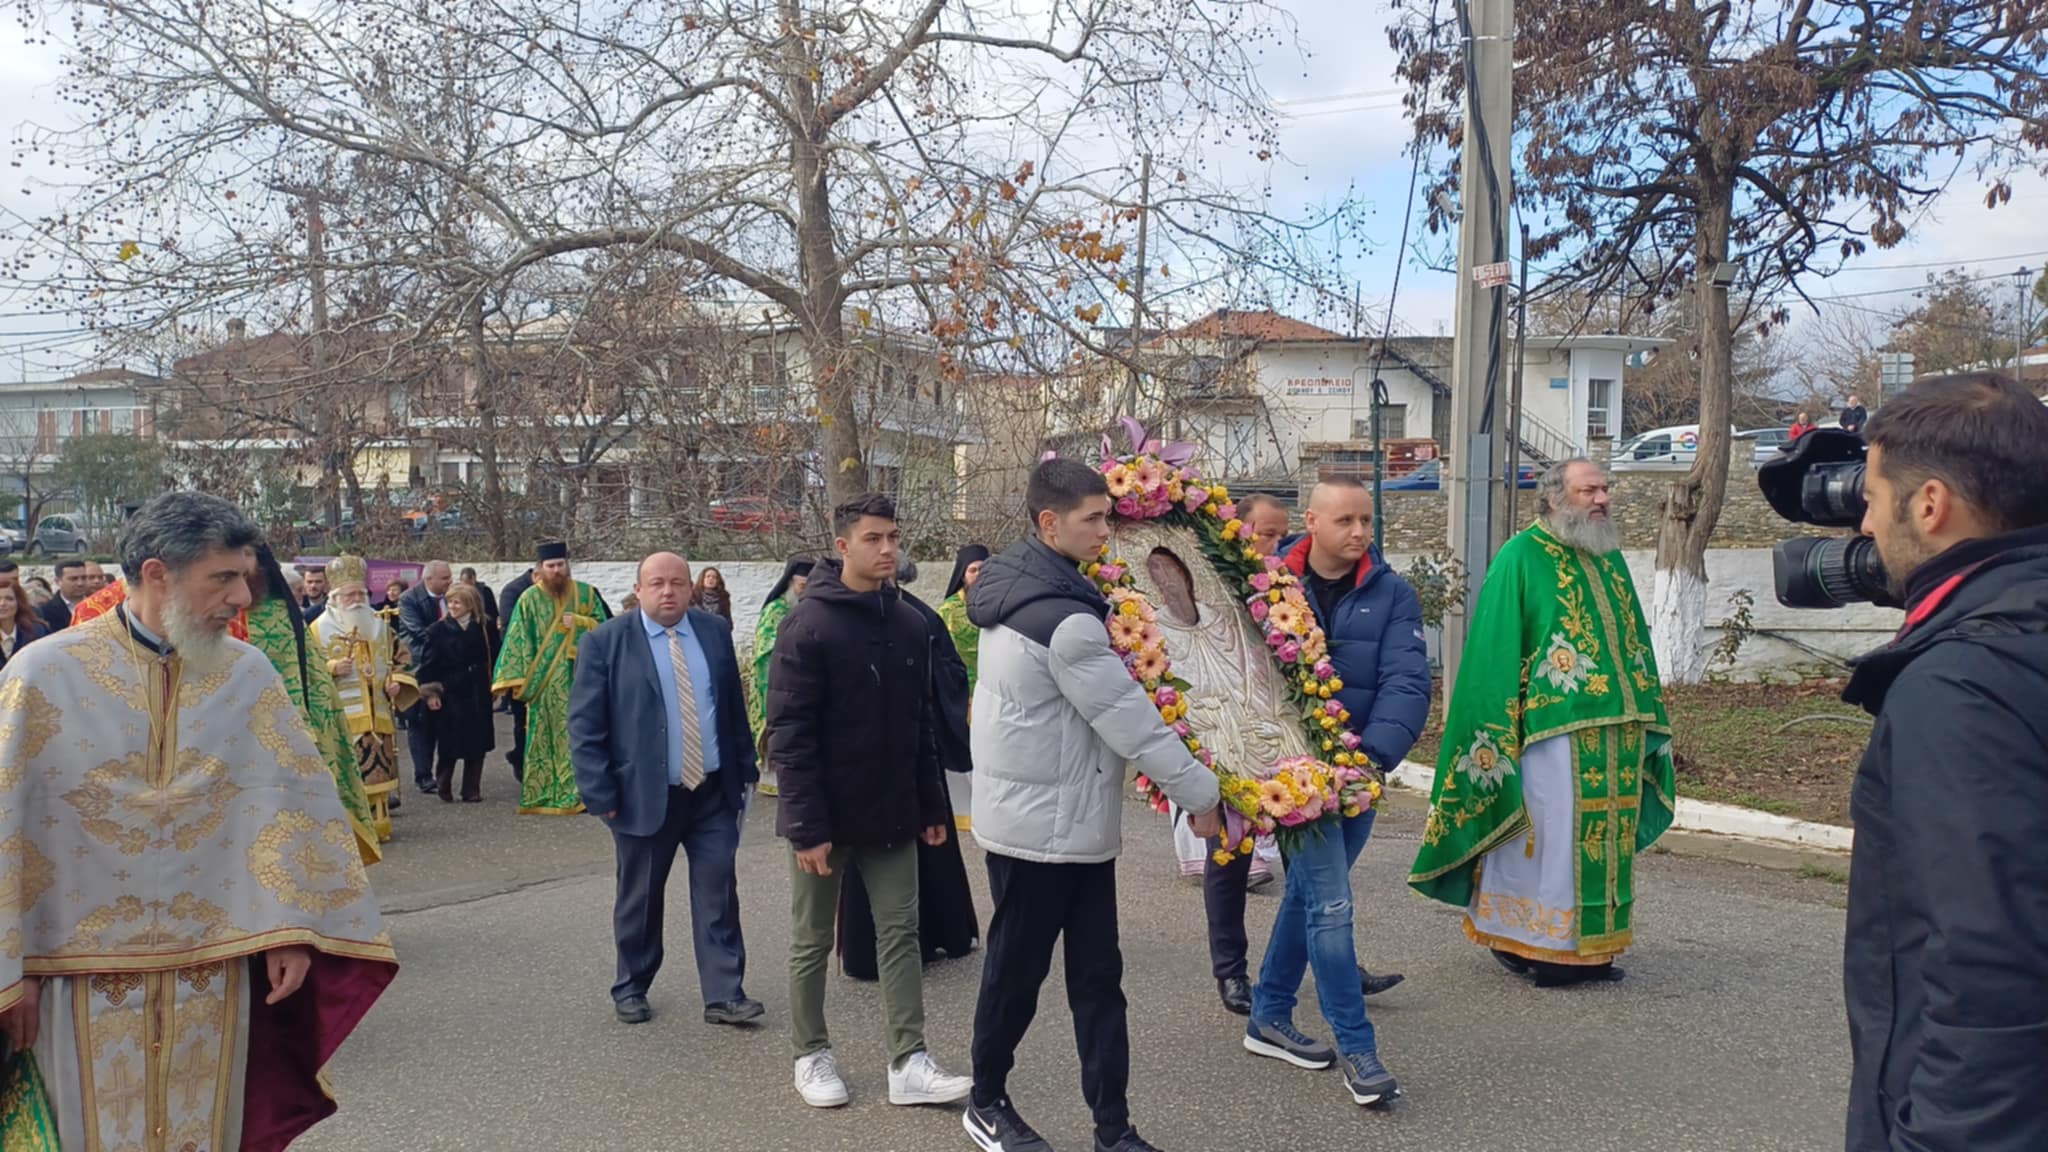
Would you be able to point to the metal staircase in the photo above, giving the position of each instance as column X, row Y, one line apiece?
column 1543, row 445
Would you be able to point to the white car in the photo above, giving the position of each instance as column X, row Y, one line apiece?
column 1769, row 441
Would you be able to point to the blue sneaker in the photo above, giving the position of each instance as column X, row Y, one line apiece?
column 1282, row 1042
column 1368, row 1079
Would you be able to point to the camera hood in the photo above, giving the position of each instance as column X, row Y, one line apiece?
column 1820, row 453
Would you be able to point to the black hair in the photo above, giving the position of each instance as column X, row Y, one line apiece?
column 1980, row 433
column 850, row 513
column 64, row 566
column 178, row 528
column 1059, row 485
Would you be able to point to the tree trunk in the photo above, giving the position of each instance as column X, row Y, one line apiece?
column 487, row 435
column 824, row 321
column 1692, row 506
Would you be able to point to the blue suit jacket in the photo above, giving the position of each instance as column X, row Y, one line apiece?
column 1377, row 645
column 618, row 722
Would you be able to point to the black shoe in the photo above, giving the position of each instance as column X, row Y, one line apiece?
column 998, row 1128
column 740, row 1011
column 1237, row 995
column 1283, row 1042
column 1129, row 1142
column 1374, row 985
column 1258, row 881
column 1369, row 1080
column 1566, row 975
column 1512, row 962
column 633, row 1010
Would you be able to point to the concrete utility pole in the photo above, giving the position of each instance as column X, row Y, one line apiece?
column 1478, row 435
column 1130, row 404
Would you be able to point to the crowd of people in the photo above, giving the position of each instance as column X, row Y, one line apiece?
column 860, row 700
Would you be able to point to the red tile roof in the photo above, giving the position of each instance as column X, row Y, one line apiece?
column 1263, row 326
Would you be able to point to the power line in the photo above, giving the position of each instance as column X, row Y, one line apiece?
column 1938, row 263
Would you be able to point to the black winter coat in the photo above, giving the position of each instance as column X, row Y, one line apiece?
column 457, row 668
column 1945, row 967
column 850, row 719
column 950, row 694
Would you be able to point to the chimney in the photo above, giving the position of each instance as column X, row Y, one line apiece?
column 238, row 330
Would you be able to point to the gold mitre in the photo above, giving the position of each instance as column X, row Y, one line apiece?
column 346, row 570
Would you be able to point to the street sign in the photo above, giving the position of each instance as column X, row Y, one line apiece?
column 1894, row 372
column 1493, row 275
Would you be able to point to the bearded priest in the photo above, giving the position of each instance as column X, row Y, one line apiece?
column 1556, row 764
column 190, row 935
column 362, row 653
column 536, row 666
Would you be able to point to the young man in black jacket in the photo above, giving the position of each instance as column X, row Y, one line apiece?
column 853, row 741
column 1945, row 969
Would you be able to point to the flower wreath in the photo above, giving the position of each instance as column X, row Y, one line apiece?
column 1290, row 797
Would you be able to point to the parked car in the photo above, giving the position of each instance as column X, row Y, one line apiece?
column 1428, row 477
column 1769, row 441
column 58, row 535
column 751, row 514
column 12, row 537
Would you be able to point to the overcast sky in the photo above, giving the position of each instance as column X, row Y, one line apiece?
column 1344, row 130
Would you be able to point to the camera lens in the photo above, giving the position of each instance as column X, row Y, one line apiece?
column 1833, row 494
column 1830, row 572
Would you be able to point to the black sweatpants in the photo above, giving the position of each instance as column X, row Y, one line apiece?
column 1035, row 904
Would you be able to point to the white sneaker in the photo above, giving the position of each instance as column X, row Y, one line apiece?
column 921, row 1081
column 818, row 1082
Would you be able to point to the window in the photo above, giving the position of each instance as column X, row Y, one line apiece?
column 1393, row 423
column 397, row 403
column 46, row 431
column 1599, row 407
column 689, row 383
column 770, row 380
column 451, row 474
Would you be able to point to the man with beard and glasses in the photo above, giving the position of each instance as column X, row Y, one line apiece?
column 1556, row 765
column 361, row 651
column 191, row 935
column 536, row 667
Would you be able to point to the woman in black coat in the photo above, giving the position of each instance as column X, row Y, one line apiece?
column 455, row 680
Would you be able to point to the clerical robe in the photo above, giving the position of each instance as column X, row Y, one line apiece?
column 1555, row 767
column 311, row 686
column 159, row 832
column 536, row 666
column 369, row 715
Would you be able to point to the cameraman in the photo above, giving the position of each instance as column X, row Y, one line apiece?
column 1945, row 971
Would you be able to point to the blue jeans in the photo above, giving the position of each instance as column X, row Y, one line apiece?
column 1314, row 930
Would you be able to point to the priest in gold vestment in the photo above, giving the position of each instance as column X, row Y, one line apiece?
column 186, row 931
column 368, row 664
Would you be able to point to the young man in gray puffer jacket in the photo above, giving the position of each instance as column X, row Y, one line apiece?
column 1056, row 719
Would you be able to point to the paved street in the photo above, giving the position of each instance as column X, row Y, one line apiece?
column 498, row 1034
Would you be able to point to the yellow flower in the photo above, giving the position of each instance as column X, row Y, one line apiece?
column 1230, row 530
column 1273, row 597
column 1210, row 507
column 1220, row 493
column 1308, row 683
column 1251, row 553
column 1093, row 568
column 1323, row 690
column 1336, row 684
column 1329, row 744
column 1329, row 723
column 1194, row 745
column 1129, row 608
column 1245, row 846
column 1223, row 857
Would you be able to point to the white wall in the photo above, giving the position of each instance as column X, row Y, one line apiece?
column 1789, row 643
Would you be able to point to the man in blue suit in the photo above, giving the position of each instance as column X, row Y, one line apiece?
column 663, row 755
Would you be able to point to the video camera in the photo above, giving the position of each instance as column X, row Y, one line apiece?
column 1819, row 480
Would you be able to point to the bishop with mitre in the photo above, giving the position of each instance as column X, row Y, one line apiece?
column 186, row 932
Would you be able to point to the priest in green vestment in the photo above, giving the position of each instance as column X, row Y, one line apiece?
column 536, row 666
column 953, row 608
column 1555, row 767
column 279, row 632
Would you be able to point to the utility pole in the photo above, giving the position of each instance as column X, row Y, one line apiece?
column 1478, row 433
column 1130, row 404
column 1512, row 474
column 2022, row 281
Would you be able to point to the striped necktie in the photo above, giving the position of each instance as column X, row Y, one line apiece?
column 686, row 703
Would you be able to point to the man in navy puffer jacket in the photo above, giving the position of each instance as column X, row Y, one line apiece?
column 1372, row 622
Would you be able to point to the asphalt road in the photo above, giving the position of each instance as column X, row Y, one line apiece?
column 498, row 1034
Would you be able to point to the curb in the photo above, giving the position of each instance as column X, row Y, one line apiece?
column 1696, row 816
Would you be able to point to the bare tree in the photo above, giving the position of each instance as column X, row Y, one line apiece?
column 1668, row 141
column 957, row 168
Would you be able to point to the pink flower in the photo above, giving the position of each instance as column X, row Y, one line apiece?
column 1126, row 507
column 1262, row 581
column 1166, row 697
column 1110, row 573
column 1325, row 670
column 1181, row 730
column 1334, row 707
column 1350, row 741
column 1289, row 653
column 1259, row 609
column 1206, row 757
column 1194, row 498
column 1227, row 513
column 1275, row 563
